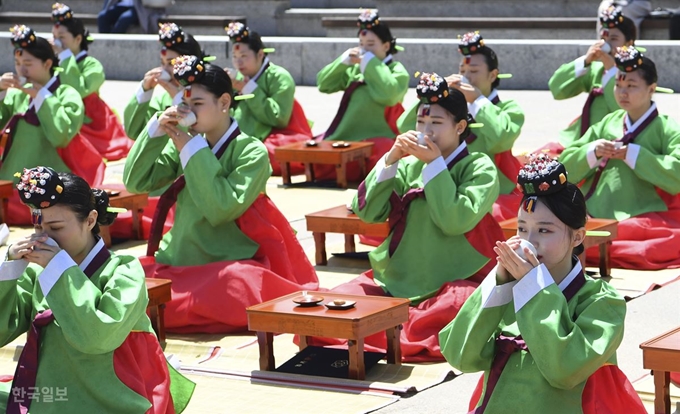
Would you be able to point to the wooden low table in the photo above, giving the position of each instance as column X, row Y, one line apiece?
column 510, row 229
column 323, row 153
column 159, row 294
column 340, row 220
column 133, row 202
column 6, row 189
column 370, row 315
column 662, row 356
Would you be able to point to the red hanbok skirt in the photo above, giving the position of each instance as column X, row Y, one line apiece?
column 649, row 241
column 297, row 130
column 420, row 335
column 105, row 132
column 213, row 298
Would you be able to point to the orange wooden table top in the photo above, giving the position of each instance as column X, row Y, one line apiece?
column 341, row 220
column 323, row 152
column 371, row 314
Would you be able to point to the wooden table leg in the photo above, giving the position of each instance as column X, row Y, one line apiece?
column 309, row 172
column 394, row 345
column 304, row 342
column 320, row 247
column 662, row 394
column 3, row 210
column 161, row 322
column 357, row 369
column 341, row 174
column 285, row 172
column 604, row 258
column 136, row 224
column 265, row 340
column 349, row 244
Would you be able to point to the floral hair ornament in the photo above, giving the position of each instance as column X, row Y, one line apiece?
column 433, row 89
column 169, row 35
column 628, row 59
column 611, row 17
column 542, row 175
column 39, row 188
column 367, row 20
column 22, row 37
column 469, row 44
column 188, row 69
column 61, row 13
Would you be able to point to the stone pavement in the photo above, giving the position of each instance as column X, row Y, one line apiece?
column 647, row 316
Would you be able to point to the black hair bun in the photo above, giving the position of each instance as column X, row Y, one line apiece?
column 101, row 204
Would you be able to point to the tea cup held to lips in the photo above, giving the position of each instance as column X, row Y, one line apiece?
column 188, row 120
column 421, row 139
column 606, row 47
column 463, row 79
column 22, row 80
column 57, row 43
column 520, row 250
column 164, row 76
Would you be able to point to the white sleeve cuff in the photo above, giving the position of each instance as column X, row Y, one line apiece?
column 385, row 173
column 495, row 295
column 632, row 155
column 478, row 104
column 580, row 67
column 249, row 88
column 12, row 269
column 364, row 60
column 55, row 268
column 177, row 99
column 609, row 75
column 530, row 285
column 433, row 169
column 153, row 128
column 345, row 58
column 190, row 148
column 2, row 95
column 65, row 54
column 590, row 155
column 142, row 95
column 43, row 94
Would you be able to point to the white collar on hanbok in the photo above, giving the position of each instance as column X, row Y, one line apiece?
column 90, row 256
column 571, row 276
column 457, row 151
column 226, row 135
column 492, row 95
column 630, row 128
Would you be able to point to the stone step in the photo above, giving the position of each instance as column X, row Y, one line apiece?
column 332, row 4
column 496, row 8
column 530, row 61
column 494, row 28
column 262, row 15
column 309, row 21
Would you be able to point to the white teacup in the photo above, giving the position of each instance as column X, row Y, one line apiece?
column 22, row 80
column 165, row 76
column 618, row 145
column 520, row 250
column 606, row 47
column 421, row 139
column 57, row 43
column 189, row 120
column 463, row 79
